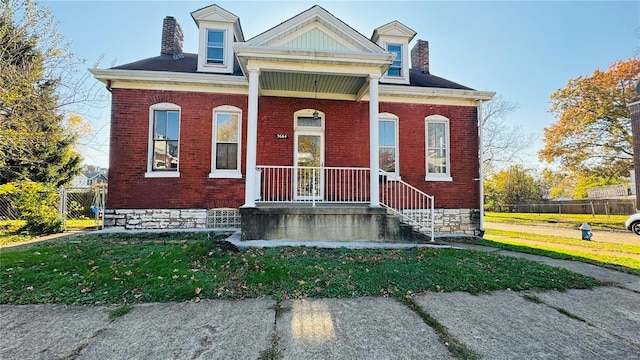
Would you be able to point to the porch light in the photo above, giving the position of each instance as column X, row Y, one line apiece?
column 316, row 116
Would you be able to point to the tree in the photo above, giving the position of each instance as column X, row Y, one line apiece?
column 37, row 87
column 501, row 142
column 593, row 131
column 514, row 185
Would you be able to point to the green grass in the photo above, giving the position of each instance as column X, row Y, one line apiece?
column 10, row 229
column 121, row 311
column 132, row 268
column 568, row 220
column 617, row 263
column 458, row 349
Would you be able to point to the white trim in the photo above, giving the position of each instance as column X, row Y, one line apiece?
column 393, row 118
column 228, row 56
column 403, row 91
column 308, row 113
column 437, row 119
column 480, row 162
column 150, row 151
column 374, row 162
column 170, row 77
column 217, row 173
column 252, row 176
column 162, row 174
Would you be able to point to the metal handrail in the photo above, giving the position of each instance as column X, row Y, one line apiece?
column 408, row 202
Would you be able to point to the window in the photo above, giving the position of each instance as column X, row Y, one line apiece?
column 215, row 46
column 396, row 67
column 388, row 143
column 227, row 122
column 164, row 140
column 437, row 148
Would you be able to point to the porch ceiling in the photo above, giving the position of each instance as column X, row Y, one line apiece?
column 304, row 83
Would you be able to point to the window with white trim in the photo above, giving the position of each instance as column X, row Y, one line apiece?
column 226, row 144
column 164, row 140
column 388, row 143
column 396, row 67
column 215, row 46
column 437, row 148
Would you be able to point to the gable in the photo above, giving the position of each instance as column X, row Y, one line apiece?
column 316, row 39
column 315, row 29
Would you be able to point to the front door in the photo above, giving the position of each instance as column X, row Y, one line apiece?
column 308, row 159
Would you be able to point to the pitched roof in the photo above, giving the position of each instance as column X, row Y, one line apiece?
column 188, row 64
column 428, row 80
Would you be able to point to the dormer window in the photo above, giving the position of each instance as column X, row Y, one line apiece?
column 395, row 37
column 396, row 67
column 219, row 30
column 215, row 46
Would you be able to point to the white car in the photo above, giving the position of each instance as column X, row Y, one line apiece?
column 633, row 223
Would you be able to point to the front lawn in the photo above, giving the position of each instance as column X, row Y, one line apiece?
column 621, row 257
column 10, row 229
column 568, row 220
column 131, row 268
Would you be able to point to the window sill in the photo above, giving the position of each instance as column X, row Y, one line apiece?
column 162, row 174
column 229, row 175
column 438, row 178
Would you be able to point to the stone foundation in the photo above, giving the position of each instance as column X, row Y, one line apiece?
column 447, row 221
column 156, row 218
column 457, row 221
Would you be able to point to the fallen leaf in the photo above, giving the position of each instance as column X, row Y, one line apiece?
column 198, row 290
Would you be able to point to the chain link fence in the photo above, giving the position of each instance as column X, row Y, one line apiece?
column 72, row 204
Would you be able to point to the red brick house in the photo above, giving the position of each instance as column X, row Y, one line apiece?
column 308, row 127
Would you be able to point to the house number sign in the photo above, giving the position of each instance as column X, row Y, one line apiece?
column 282, row 136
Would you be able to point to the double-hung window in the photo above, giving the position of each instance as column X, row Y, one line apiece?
column 215, row 46
column 396, row 67
column 164, row 140
column 227, row 122
column 437, row 148
column 388, row 143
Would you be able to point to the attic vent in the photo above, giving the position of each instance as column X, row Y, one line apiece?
column 172, row 37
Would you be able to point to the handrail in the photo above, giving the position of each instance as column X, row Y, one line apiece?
column 414, row 206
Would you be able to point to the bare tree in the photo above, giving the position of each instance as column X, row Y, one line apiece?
column 502, row 143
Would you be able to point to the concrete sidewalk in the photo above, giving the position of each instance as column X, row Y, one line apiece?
column 603, row 323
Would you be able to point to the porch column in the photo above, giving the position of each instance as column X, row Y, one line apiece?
column 252, row 137
column 374, row 164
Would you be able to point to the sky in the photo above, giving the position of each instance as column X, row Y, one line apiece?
column 522, row 50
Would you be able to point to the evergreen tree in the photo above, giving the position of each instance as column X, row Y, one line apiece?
column 35, row 144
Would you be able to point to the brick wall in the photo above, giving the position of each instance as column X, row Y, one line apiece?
column 346, row 145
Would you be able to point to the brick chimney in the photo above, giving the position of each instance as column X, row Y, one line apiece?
column 420, row 57
column 172, row 37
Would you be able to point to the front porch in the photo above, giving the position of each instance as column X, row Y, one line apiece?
column 334, row 204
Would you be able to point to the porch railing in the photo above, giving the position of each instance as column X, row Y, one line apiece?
column 313, row 184
column 414, row 207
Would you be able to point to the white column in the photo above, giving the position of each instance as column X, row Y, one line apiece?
column 374, row 164
column 252, row 137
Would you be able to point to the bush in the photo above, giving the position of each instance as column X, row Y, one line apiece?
column 38, row 205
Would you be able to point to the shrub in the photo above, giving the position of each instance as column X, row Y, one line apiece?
column 37, row 203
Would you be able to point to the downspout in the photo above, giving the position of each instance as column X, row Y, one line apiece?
column 481, row 172
column 109, row 86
